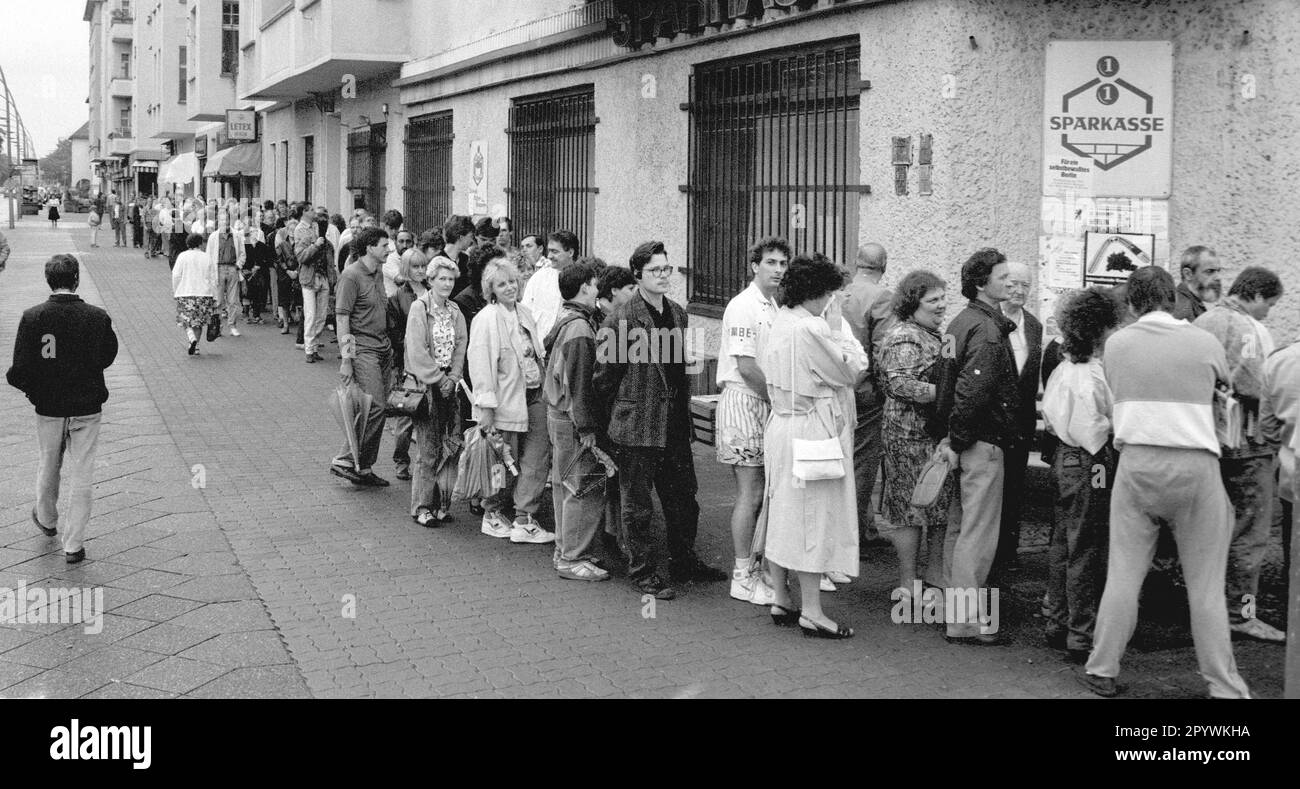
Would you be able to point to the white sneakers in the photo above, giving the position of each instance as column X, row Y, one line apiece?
column 751, row 587
column 495, row 526
column 529, row 531
column 234, row 332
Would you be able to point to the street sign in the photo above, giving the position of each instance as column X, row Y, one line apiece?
column 241, row 124
column 1108, row 112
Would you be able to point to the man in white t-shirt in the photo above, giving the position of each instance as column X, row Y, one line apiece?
column 743, row 408
column 542, row 294
column 392, row 269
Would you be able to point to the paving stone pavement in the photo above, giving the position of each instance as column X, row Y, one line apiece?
column 235, row 565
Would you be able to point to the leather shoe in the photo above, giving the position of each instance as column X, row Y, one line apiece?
column 346, row 473
column 47, row 531
column 403, row 473
column 372, row 480
column 1102, row 686
column 981, row 640
column 655, row 586
column 75, row 557
column 692, row 569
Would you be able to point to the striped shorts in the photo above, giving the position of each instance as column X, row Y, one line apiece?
column 738, row 427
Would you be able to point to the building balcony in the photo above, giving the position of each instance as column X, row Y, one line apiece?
column 121, row 145
column 301, row 50
column 121, row 87
column 121, row 32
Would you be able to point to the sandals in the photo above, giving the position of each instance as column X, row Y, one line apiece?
column 817, row 631
column 784, row 616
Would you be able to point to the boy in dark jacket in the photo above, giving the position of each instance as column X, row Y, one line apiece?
column 60, row 353
column 573, row 421
column 976, row 399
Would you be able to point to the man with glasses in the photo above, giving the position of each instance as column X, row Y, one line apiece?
column 641, row 378
column 1027, row 347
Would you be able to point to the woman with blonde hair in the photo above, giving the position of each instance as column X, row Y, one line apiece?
column 434, row 354
column 411, row 271
column 506, row 361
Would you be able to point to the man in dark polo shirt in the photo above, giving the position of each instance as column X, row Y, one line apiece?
column 61, row 350
column 359, row 309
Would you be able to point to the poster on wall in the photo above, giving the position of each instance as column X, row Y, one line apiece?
column 478, row 199
column 1108, row 105
column 1111, row 257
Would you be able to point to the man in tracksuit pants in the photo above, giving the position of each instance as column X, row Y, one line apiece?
column 1162, row 373
column 573, row 423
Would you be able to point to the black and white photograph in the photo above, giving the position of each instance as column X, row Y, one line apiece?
column 649, row 350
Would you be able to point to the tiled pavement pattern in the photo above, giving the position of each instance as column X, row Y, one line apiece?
column 192, row 574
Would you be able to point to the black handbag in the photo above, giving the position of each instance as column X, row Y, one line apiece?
column 407, row 398
column 214, row 326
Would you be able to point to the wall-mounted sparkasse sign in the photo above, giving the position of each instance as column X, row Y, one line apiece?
column 1109, row 104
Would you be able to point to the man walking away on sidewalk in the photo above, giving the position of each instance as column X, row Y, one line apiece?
column 1162, row 374
column 61, row 351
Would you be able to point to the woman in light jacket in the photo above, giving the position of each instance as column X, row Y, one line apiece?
column 811, row 370
column 194, row 286
column 435, row 344
column 505, row 363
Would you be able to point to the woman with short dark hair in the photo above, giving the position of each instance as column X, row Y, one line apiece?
column 908, row 368
column 194, row 286
column 811, row 369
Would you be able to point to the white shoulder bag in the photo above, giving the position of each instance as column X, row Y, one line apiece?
column 815, row 459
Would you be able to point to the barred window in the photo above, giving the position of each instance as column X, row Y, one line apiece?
column 552, row 138
column 308, row 166
column 773, row 152
column 428, row 185
column 367, row 149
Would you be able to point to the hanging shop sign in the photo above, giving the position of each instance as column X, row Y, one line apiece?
column 478, row 200
column 241, row 124
column 1108, row 118
column 639, row 22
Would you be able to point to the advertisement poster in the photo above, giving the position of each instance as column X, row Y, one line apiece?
column 1111, row 257
column 478, row 199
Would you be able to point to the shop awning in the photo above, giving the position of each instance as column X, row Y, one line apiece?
column 235, row 161
column 181, row 169
column 145, row 165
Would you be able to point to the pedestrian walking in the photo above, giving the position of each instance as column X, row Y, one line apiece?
column 434, row 345
column 574, row 426
column 363, row 341
column 118, row 219
column 61, row 350
column 743, row 408
column 505, row 359
column 648, row 402
column 811, row 370
column 976, row 401
column 1077, row 410
column 1248, row 470
column 195, row 286
column 226, row 249
column 907, row 367
column 93, row 221
column 1162, row 373
column 52, row 212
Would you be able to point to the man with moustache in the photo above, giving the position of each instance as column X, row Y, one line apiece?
column 1199, row 268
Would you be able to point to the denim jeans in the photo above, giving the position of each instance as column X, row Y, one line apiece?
column 1250, row 486
column 73, row 439
column 532, row 453
column 577, row 519
column 670, row 472
column 314, row 304
column 1076, row 558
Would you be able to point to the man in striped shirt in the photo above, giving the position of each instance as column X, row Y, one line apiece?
column 1162, row 373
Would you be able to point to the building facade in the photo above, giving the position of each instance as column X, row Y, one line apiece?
column 924, row 125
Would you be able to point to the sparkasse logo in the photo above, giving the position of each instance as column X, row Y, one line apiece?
column 92, row 743
column 1107, row 103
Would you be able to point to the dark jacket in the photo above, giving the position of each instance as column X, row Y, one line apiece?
column 977, row 393
column 636, row 394
column 571, row 365
column 471, row 303
column 1187, row 305
column 397, row 311
column 61, row 350
column 1027, row 411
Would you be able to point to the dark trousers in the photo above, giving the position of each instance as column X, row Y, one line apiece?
column 1076, row 558
column 1013, row 495
column 867, row 452
column 670, row 472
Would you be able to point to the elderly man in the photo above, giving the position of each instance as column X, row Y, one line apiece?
column 1199, row 268
column 1027, row 346
column 1248, row 469
column 867, row 311
column 226, row 251
column 315, row 264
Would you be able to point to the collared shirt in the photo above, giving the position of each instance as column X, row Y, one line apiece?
column 360, row 296
column 1077, row 406
column 390, row 270
column 747, row 315
column 542, row 298
column 1019, row 342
